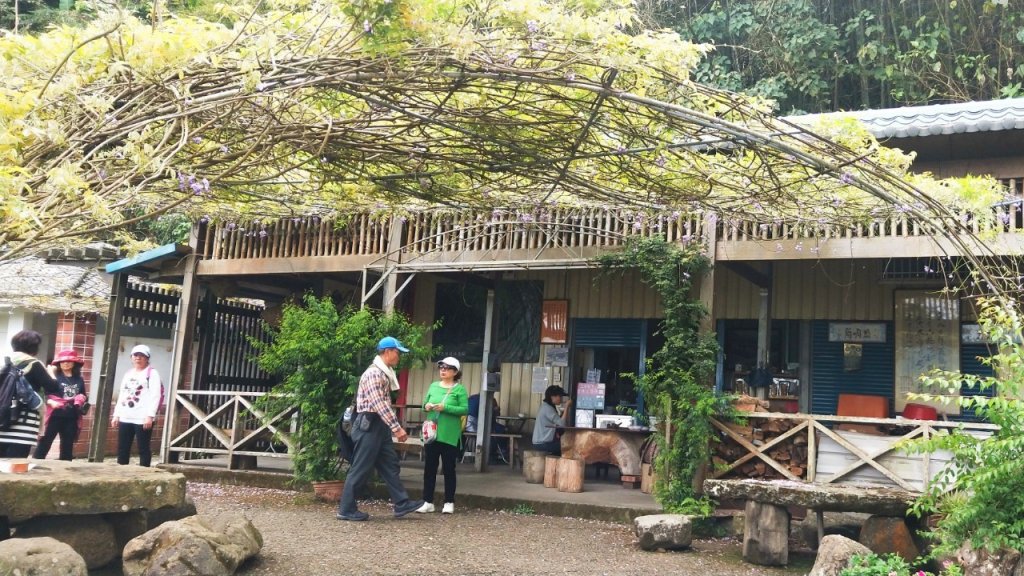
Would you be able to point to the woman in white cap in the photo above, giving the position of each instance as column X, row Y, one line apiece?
column 137, row 405
column 446, row 403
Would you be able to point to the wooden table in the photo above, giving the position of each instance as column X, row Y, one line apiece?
column 617, row 446
column 514, row 424
column 469, row 442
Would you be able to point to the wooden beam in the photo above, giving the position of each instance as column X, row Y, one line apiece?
column 750, row 274
column 112, row 347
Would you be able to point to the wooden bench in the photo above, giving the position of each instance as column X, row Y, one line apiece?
column 514, row 455
column 766, row 527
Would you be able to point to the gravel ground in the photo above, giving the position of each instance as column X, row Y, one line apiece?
column 302, row 537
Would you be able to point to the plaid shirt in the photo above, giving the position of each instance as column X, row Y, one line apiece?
column 374, row 395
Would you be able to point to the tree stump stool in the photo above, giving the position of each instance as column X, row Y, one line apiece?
column 551, row 471
column 533, row 466
column 570, row 474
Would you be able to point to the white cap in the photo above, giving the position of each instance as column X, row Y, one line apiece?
column 142, row 349
column 449, row 361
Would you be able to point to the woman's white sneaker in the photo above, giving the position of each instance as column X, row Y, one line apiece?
column 448, row 508
column 427, row 507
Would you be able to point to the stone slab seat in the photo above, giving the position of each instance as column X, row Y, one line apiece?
column 766, row 529
column 59, row 488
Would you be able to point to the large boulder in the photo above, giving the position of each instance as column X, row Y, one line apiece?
column 666, row 531
column 40, row 557
column 197, row 545
column 981, row 562
column 91, row 536
column 834, row 555
column 888, row 534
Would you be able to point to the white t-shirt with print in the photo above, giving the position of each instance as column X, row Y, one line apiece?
column 139, row 397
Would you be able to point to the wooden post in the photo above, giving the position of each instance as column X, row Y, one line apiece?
column 570, row 474
column 646, row 478
column 112, row 347
column 551, row 471
column 766, row 534
column 181, row 354
column 533, row 466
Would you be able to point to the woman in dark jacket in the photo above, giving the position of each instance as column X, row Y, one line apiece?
column 64, row 410
column 17, row 442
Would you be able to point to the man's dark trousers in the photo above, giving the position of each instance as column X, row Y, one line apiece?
column 373, row 449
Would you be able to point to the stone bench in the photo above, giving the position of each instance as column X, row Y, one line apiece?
column 766, row 528
column 58, row 493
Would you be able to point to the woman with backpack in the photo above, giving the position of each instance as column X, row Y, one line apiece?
column 17, row 440
column 64, row 410
column 137, row 405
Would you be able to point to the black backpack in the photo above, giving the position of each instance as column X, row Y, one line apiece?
column 16, row 395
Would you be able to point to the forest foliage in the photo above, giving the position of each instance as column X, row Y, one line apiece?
column 822, row 55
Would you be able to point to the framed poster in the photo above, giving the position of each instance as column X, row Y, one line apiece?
column 927, row 338
column 554, row 321
column 556, row 356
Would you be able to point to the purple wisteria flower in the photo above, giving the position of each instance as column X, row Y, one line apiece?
column 846, row 178
column 660, row 161
column 532, row 26
column 367, row 27
column 197, row 139
column 570, row 76
column 224, row 149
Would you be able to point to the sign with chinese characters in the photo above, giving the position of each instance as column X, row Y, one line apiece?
column 856, row 332
column 540, row 380
column 971, row 334
column 556, row 356
column 927, row 338
column 590, row 396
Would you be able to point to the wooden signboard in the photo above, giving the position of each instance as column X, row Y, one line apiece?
column 927, row 338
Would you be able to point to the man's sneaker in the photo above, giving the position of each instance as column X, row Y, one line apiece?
column 426, row 508
column 448, row 508
column 409, row 506
column 357, row 516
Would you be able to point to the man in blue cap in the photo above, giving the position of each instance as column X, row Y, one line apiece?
column 374, row 424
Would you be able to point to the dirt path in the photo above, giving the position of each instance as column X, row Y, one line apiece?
column 302, row 537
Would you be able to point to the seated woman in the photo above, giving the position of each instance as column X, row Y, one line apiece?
column 499, row 446
column 544, row 432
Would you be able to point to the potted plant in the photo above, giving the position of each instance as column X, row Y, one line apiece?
column 320, row 351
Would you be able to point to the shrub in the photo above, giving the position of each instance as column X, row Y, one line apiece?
column 320, row 352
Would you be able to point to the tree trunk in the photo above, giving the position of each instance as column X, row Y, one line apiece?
column 551, row 471
column 570, row 474
column 533, row 466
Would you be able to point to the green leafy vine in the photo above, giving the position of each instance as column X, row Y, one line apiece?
column 676, row 385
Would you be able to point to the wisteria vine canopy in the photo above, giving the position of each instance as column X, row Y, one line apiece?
column 303, row 107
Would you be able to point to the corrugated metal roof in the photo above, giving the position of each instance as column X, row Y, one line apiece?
column 934, row 120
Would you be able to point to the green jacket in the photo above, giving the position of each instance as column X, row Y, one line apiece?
column 449, row 420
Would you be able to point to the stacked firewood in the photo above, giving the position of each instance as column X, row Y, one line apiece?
column 791, row 454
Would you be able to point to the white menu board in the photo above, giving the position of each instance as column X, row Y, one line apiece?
column 927, row 338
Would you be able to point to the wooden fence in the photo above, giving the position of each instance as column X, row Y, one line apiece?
column 431, row 231
column 835, row 455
